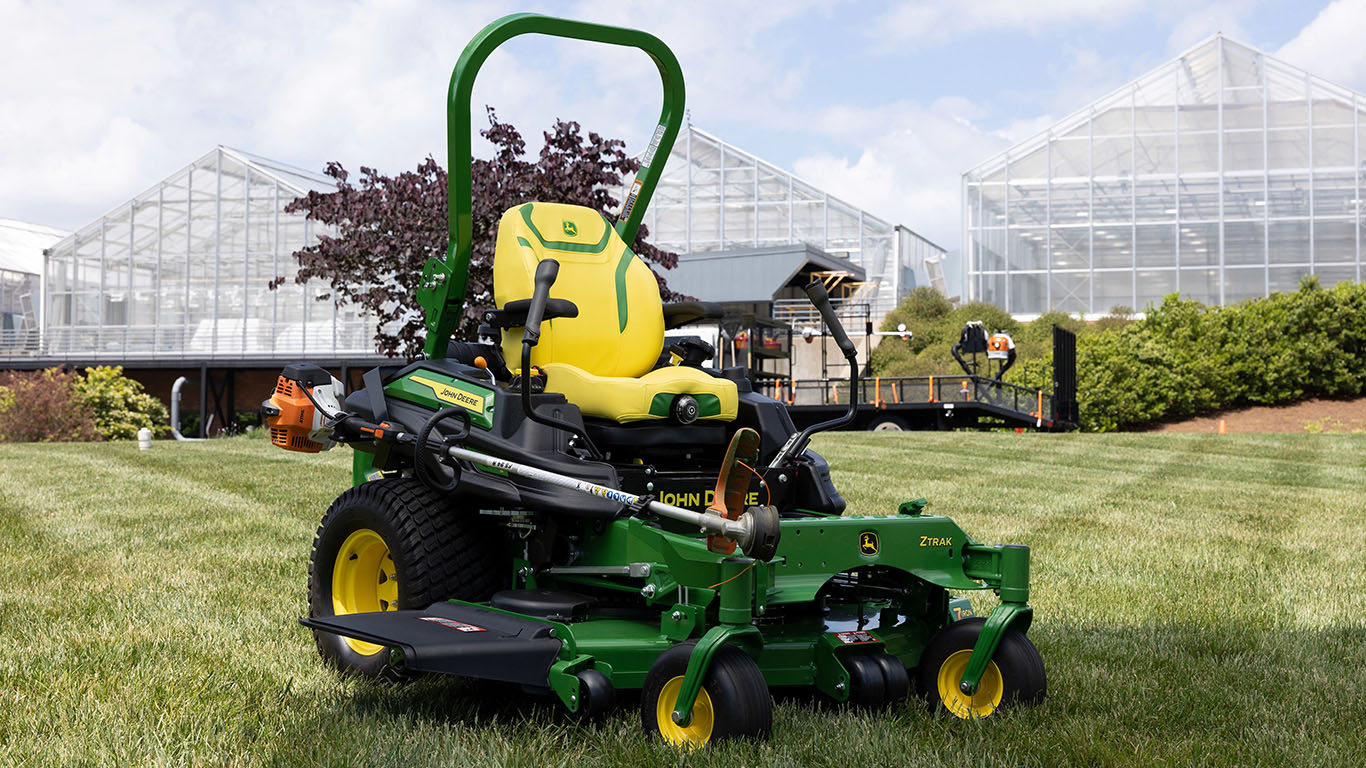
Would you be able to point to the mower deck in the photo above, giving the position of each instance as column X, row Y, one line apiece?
column 456, row 639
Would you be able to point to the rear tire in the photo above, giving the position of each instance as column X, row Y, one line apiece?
column 391, row 545
column 734, row 702
column 1015, row 674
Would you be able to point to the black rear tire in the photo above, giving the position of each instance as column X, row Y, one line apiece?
column 434, row 548
column 734, row 702
column 1015, row 675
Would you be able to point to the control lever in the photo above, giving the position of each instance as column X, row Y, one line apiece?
column 546, row 272
column 815, row 291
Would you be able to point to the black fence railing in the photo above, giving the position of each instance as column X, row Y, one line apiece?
column 888, row 391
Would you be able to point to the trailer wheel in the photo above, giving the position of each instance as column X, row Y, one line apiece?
column 887, row 423
column 734, row 702
column 1015, row 674
column 388, row 545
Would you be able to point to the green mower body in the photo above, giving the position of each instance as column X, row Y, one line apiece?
column 496, row 530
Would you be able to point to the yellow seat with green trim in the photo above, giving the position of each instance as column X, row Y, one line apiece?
column 601, row 360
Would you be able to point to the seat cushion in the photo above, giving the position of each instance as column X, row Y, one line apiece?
column 647, row 397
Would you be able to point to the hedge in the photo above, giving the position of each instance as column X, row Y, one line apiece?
column 1183, row 359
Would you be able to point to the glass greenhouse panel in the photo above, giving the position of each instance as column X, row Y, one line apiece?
column 183, row 271
column 714, row 196
column 1224, row 162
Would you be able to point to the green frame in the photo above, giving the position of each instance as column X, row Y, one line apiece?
column 441, row 292
column 930, row 549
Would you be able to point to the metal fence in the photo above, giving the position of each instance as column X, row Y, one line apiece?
column 915, row 389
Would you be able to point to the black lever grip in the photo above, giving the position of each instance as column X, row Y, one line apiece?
column 815, row 290
column 546, row 272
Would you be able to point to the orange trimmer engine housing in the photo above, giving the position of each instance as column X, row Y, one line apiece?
column 293, row 414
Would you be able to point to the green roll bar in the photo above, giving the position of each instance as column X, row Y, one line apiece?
column 442, row 290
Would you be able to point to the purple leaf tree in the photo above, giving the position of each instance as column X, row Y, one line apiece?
column 388, row 226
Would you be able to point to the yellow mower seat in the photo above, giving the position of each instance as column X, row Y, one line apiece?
column 600, row 361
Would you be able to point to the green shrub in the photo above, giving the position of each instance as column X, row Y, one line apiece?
column 1182, row 359
column 1185, row 359
column 43, row 406
column 119, row 405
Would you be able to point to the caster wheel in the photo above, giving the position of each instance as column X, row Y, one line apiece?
column 734, row 702
column 1015, row 674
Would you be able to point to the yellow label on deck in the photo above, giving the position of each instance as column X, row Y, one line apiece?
column 448, row 394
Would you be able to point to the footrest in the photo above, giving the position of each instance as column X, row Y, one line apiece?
column 456, row 639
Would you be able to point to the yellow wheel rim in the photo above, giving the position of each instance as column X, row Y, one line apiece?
column 698, row 730
column 980, row 704
column 364, row 581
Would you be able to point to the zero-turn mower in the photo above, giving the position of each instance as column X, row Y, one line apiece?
column 568, row 506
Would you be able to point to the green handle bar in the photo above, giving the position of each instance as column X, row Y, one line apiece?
column 442, row 290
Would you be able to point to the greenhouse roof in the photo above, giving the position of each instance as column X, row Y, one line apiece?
column 1190, row 83
column 238, row 164
column 22, row 244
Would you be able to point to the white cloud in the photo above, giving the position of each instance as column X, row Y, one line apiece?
column 1330, row 45
column 911, row 172
column 943, row 20
column 109, row 100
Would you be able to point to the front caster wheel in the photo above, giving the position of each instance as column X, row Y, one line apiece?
column 1015, row 674
column 734, row 702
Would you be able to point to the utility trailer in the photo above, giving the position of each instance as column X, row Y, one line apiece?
column 971, row 399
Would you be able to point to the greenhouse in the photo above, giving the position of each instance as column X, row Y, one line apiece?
column 1224, row 175
column 181, row 271
column 715, row 197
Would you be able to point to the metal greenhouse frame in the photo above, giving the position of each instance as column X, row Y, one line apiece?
column 180, row 272
column 1224, row 174
column 714, row 196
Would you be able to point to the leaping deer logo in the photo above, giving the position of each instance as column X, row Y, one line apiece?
column 570, row 228
column 867, row 543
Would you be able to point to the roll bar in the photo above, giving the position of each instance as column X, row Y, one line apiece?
column 442, row 290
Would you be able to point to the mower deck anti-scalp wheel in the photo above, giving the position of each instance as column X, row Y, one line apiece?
column 394, row 544
column 896, row 682
column 734, row 701
column 866, row 687
column 1015, row 674
column 596, row 694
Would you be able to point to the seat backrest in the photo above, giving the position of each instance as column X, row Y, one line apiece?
column 620, row 327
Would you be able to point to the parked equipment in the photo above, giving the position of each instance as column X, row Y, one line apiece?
column 557, row 507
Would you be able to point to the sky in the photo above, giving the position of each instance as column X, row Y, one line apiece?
column 882, row 104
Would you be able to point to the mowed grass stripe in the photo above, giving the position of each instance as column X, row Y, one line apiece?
column 1198, row 601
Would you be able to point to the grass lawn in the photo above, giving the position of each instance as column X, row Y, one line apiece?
column 1198, row 600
